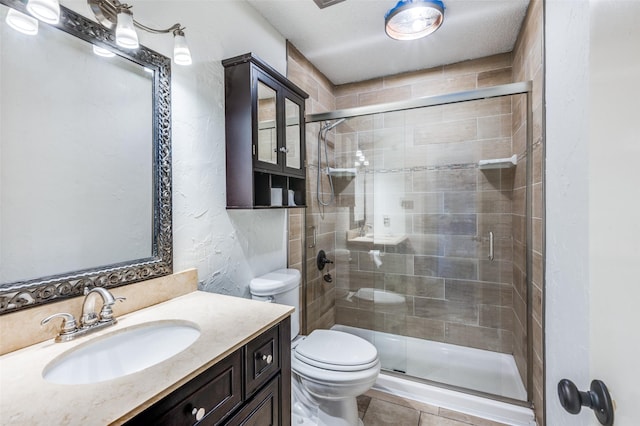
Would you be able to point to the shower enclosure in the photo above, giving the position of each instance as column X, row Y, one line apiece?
column 431, row 229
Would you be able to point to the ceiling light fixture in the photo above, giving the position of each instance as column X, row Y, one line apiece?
column 113, row 14
column 413, row 19
column 21, row 22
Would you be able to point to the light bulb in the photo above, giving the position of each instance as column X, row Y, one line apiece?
column 357, row 163
column 21, row 22
column 45, row 10
column 126, row 35
column 101, row 51
column 366, row 163
column 358, row 153
column 181, row 53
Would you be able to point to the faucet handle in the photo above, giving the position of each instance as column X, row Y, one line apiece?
column 68, row 322
column 106, row 313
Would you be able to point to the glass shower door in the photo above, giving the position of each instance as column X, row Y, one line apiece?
column 434, row 241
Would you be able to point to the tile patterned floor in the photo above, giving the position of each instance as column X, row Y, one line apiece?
column 382, row 409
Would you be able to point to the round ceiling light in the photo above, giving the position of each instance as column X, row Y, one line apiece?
column 413, row 19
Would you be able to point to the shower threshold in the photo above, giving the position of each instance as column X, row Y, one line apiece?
column 477, row 370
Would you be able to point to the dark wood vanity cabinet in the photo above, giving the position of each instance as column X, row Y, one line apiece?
column 265, row 136
column 251, row 386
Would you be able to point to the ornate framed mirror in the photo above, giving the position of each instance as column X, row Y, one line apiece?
column 85, row 161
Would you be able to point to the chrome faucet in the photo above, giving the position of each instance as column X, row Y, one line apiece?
column 364, row 228
column 90, row 320
column 89, row 315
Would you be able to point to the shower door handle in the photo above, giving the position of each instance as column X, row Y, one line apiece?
column 315, row 236
column 490, row 245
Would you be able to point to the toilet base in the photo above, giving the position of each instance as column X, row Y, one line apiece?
column 341, row 412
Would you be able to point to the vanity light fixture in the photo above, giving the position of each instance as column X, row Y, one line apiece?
column 413, row 19
column 126, row 35
column 113, row 14
column 100, row 51
column 181, row 54
column 21, row 22
column 45, row 10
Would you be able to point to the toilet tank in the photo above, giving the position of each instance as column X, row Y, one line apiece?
column 281, row 286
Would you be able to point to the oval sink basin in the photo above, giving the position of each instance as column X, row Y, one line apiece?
column 121, row 353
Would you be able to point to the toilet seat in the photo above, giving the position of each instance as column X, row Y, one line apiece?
column 336, row 351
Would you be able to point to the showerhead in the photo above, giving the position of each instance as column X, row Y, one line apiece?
column 328, row 126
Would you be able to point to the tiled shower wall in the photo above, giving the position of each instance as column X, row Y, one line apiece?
column 423, row 166
column 320, row 226
column 528, row 64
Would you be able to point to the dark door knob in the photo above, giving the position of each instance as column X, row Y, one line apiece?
column 597, row 398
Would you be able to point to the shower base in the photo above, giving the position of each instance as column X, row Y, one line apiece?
column 474, row 369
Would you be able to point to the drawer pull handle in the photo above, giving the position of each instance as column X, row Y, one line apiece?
column 268, row 358
column 199, row 413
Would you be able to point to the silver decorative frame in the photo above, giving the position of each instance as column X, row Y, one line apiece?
column 26, row 294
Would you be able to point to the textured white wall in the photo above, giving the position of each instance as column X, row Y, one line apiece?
column 227, row 247
column 567, row 263
column 614, row 202
column 592, row 291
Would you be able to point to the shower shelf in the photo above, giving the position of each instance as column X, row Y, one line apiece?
column 343, row 173
column 498, row 163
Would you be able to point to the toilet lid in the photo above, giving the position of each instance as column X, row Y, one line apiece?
column 335, row 350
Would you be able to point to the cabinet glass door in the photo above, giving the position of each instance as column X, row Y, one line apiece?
column 292, row 135
column 267, row 129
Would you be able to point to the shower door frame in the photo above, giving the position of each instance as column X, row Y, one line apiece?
column 518, row 88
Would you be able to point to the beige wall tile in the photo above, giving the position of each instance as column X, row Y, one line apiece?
column 413, row 77
column 414, row 285
column 495, row 77
column 444, row 310
column 475, row 66
column 496, row 317
column 479, row 293
column 392, row 94
column 414, row 326
column 443, row 86
column 491, row 339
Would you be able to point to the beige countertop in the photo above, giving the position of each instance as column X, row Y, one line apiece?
column 226, row 323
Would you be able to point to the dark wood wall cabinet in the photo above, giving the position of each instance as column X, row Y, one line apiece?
column 252, row 385
column 265, row 136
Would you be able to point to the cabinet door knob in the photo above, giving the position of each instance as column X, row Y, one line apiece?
column 268, row 358
column 199, row 413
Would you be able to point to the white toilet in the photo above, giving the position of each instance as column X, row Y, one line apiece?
column 329, row 368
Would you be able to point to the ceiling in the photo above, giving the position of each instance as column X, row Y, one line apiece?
column 347, row 42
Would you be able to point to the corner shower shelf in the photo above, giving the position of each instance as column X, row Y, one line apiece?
column 343, row 173
column 499, row 163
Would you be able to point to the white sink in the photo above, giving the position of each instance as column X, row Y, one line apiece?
column 389, row 240
column 121, row 353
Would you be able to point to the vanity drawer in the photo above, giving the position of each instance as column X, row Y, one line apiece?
column 262, row 360
column 206, row 400
column 263, row 409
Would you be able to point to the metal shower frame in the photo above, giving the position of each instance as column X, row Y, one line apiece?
column 518, row 88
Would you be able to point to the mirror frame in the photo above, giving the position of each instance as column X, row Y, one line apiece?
column 26, row 294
